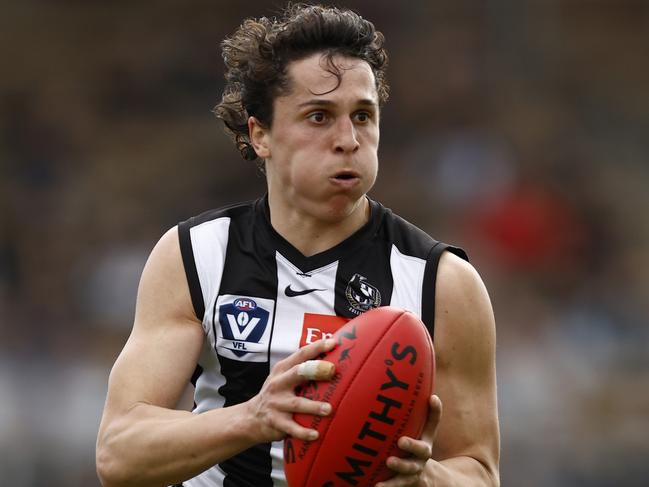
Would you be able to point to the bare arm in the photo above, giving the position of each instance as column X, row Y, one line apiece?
column 142, row 440
column 467, row 443
column 465, row 437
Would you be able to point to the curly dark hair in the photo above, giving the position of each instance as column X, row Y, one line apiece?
column 258, row 53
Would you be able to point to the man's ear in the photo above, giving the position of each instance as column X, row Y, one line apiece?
column 259, row 136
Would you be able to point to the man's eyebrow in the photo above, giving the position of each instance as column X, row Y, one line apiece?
column 317, row 102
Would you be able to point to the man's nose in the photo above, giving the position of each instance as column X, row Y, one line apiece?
column 345, row 137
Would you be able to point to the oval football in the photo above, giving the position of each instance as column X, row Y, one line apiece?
column 384, row 376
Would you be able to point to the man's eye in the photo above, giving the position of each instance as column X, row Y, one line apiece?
column 317, row 117
column 363, row 117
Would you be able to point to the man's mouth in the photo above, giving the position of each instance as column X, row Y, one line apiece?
column 345, row 176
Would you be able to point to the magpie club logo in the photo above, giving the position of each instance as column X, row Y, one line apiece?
column 361, row 295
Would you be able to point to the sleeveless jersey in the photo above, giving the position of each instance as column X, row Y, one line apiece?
column 260, row 299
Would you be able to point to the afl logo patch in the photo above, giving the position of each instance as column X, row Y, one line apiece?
column 361, row 295
column 244, row 304
column 243, row 327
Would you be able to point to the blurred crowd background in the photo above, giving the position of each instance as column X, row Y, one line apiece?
column 517, row 129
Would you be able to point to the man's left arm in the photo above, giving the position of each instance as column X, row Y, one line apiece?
column 461, row 444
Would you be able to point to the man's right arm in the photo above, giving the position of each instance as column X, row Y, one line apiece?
column 142, row 440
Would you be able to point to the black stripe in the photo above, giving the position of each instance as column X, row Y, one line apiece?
column 430, row 283
column 250, row 270
column 243, row 470
column 365, row 274
column 197, row 373
column 187, row 254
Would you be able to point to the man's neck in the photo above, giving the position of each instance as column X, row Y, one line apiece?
column 311, row 235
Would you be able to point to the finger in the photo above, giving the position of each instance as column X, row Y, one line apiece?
column 434, row 417
column 291, row 428
column 308, row 352
column 400, row 481
column 303, row 405
column 311, row 370
column 316, row 370
column 405, row 466
column 421, row 449
column 435, row 408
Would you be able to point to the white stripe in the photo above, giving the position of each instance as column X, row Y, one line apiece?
column 207, row 395
column 209, row 243
column 289, row 320
column 408, row 280
column 212, row 477
column 289, row 311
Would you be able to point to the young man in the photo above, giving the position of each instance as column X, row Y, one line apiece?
column 245, row 291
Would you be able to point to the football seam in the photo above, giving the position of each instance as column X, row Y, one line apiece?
column 381, row 337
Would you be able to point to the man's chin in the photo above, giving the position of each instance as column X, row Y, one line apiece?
column 343, row 206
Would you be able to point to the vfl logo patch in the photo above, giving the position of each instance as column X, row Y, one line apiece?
column 361, row 295
column 243, row 329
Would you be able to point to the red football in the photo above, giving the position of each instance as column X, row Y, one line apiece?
column 385, row 366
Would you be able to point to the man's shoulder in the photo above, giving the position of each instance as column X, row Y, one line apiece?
column 409, row 238
column 396, row 227
column 229, row 211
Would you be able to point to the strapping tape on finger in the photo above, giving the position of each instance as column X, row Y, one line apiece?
column 315, row 369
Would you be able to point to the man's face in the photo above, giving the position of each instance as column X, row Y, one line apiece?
column 322, row 147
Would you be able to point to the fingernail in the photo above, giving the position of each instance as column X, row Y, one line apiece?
column 313, row 435
column 329, row 343
column 325, row 409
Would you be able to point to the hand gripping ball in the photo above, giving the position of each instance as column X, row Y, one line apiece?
column 385, row 366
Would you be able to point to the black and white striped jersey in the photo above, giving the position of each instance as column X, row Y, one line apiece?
column 260, row 299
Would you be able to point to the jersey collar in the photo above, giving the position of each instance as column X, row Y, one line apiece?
column 302, row 262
